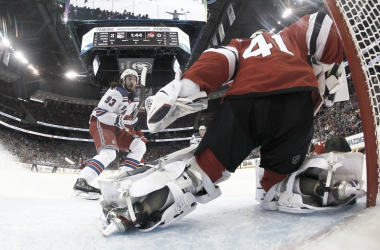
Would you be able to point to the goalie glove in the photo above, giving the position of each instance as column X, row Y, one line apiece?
column 165, row 107
column 125, row 122
column 331, row 77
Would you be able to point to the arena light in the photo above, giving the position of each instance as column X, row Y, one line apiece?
column 19, row 55
column 6, row 42
column 287, row 13
column 71, row 74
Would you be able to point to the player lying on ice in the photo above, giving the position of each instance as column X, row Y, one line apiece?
column 270, row 104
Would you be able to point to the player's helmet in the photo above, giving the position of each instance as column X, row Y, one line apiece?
column 202, row 130
column 258, row 33
column 129, row 72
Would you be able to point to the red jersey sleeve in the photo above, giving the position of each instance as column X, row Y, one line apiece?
column 215, row 67
column 316, row 34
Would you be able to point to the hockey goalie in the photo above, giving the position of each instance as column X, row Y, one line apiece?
column 270, row 104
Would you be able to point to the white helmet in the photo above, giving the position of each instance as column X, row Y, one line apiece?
column 129, row 72
column 202, row 127
column 259, row 32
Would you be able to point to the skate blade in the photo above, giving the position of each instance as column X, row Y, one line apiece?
column 104, row 228
column 86, row 196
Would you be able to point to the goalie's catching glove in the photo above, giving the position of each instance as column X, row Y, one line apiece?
column 165, row 107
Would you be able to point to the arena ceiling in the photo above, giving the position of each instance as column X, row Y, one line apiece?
column 37, row 28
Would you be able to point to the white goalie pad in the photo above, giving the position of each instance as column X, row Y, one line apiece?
column 184, row 203
column 259, row 175
column 332, row 167
column 138, row 186
column 186, row 188
column 180, row 155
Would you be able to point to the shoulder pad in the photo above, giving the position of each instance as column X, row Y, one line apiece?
column 122, row 91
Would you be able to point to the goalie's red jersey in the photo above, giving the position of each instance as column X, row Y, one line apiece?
column 269, row 63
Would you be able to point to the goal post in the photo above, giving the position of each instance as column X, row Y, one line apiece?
column 358, row 24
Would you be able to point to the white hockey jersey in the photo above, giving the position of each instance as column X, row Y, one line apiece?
column 115, row 102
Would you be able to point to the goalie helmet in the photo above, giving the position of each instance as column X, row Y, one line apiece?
column 128, row 72
column 259, row 32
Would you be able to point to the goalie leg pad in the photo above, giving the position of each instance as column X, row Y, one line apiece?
column 259, row 189
column 181, row 155
column 336, row 182
column 184, row 203
column 187, row 184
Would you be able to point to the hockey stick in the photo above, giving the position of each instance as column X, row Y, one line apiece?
column 69, row 161
column 143, row 79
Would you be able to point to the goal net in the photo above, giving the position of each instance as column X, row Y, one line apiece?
column 358, row 23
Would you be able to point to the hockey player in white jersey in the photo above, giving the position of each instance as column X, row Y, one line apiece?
column 111, row 128
column 197, row 137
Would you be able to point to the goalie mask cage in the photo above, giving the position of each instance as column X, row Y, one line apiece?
column 358, row 23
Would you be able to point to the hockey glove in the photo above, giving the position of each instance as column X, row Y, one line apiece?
column 125, row 122
column 165, row 107
column 331, row 78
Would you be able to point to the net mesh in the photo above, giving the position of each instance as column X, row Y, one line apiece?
column 363, row 21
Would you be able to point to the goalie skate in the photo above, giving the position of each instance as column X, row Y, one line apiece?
column 106, row 227
column 112, row 221
column 162, row 110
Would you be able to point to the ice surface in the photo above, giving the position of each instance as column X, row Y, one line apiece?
column 37, row 211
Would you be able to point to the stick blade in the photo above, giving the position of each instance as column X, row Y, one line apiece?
column 69, row 161
column 143, row 75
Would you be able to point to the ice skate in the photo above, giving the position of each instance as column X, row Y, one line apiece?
column 84, row 191
column 116, row 219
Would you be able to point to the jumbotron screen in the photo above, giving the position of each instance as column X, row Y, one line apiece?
column 135, row 36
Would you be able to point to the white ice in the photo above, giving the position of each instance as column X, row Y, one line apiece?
column 37, row 211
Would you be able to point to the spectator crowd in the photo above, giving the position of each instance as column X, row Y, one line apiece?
column 341, row 119
column 87, row 13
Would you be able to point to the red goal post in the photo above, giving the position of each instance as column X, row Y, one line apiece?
column 358, row 23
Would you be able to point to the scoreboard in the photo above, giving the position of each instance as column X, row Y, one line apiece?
column 136, row 38
column 133, row 36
